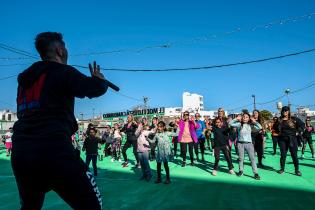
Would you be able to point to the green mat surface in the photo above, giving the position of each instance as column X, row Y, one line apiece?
column 191, row 187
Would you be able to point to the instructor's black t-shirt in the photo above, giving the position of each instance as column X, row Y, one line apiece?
column 45, row 105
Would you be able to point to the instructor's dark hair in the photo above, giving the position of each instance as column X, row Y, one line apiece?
column 44, row 41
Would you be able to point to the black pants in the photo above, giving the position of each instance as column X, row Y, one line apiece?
column 94, row 161
column 226, row 151
column 285, row 144
column 127, row 145
column 39, row 172
column 167, row 170
column 152, row 152
column 107, row 151
column 183, row 147
column 275, row 140
column 175, row 145
column 310, row 143
column 258, row 142
column 201, row 142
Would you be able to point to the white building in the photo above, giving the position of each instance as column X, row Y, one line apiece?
column 7, row 119
column 305, row 111
column 192, row 102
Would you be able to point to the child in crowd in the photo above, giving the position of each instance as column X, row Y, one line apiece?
column 116, row 143
column 164, row 153
column 221, row 143
column 143, row 150
column 91, row 147
column 244, row 125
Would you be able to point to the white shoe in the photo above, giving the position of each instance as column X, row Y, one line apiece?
column 212, row 152
column 231, row 172
column 214, row 173
column 113, row 159
column 119, row 160
column 302, row 156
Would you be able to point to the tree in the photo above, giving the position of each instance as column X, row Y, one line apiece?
column 265, row 115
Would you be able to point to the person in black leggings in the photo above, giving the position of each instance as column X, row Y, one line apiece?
column 130, row 129
column 289, row 127
column 275, row 133
column 307, row 136
column 257, row 137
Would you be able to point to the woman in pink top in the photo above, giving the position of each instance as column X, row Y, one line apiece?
column 187, row 136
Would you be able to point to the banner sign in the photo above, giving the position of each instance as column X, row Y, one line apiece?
column 152, row 111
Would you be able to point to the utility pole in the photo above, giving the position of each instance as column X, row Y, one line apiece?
column 254, row 97
column 287, row 92
column 93, row 114
column 145, row 101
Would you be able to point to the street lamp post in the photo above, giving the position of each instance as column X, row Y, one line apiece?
column 254, row 97
column 287, row 92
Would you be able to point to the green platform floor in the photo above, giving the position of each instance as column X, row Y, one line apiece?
column 191, row 187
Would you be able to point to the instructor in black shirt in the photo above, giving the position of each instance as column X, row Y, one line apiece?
column 43, row 157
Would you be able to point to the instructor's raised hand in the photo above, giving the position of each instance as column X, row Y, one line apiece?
column 96, row 71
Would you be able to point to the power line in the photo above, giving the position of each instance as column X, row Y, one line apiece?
column 205, row 67
column 8, row 77
column 17, row 51
column 126, row 96
column 208, row 37
column 14, row 64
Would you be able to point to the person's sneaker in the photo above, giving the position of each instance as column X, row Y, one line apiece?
column 148, row 178
column 231, row 172
column 113, row 159
column 167, row 181
column 280, row 171
column 257, row 177
column 302, row 156
column 213, row 152
column 119, row 160
column 192, row 164
column 183, row 164
column 240, row 173
column 137, row 165
column 214, row 173
column 298, row 173
column 125, row 164
column 158, row 181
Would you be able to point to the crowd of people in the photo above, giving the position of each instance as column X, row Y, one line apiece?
column 157, row 141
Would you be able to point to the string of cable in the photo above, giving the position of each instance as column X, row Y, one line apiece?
column 209, row 36
column 204, row 67
column 171, row 44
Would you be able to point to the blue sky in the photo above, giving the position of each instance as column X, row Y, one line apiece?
column 110, row 25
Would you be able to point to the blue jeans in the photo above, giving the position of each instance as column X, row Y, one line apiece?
column 145, row 164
